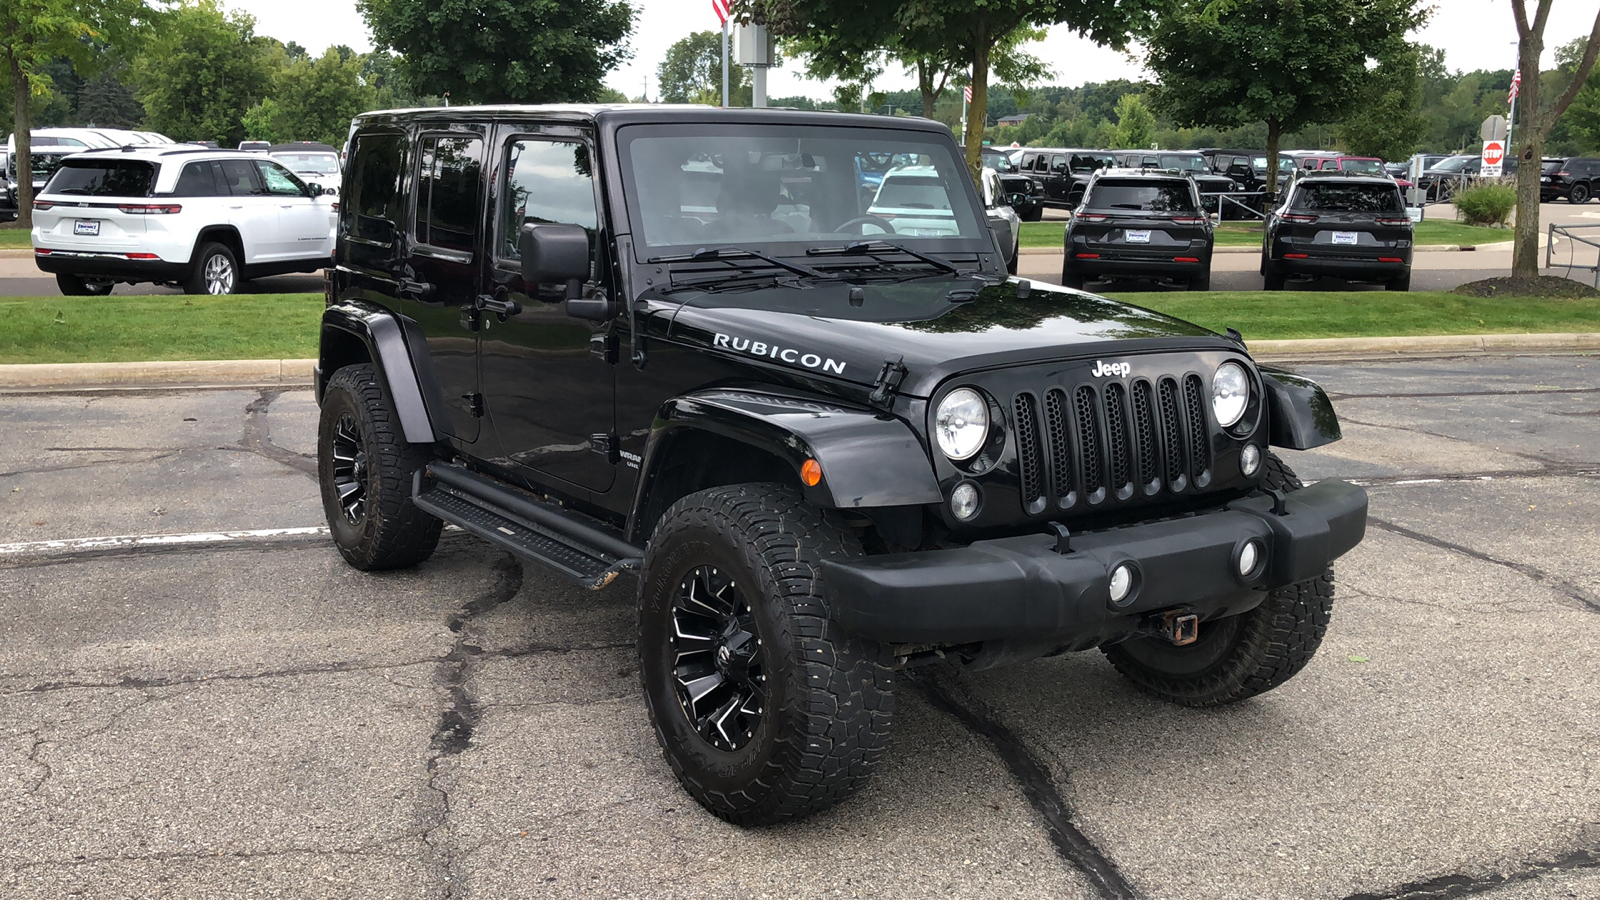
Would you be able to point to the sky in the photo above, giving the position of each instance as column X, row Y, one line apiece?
column 1475, row 34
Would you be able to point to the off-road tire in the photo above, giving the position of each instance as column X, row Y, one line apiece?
column 1071, row 279
column 1240, row 656
column 1578, row 194
column 1273, row 281
column 199, row 283
column 828, row 703
column 391, row 532
column 74, row 286
column 1200, row 282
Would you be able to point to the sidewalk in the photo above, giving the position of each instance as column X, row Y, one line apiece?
column 298, row 372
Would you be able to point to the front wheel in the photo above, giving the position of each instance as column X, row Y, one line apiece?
column 74, row 286
column 763, row 708
column 1240, row 656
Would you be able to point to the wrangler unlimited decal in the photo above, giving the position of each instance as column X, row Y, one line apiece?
column 773, row 351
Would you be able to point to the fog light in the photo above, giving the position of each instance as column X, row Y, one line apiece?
column 964, row 501
column 1121, row 583
column 1249, row 557
column 1250, row 459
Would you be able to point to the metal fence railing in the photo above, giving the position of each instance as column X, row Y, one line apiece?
column 1568, row 233
column 1249, row 203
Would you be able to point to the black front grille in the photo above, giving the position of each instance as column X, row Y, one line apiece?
column 1111, row 441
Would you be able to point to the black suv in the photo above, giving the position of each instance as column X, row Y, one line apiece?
column 1135, row 223
column 1574, row 180
column 1339, row 225
column 1210, row 184
column 671, row 344
column 1062, row 173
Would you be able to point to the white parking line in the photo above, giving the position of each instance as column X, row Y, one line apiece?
column 153, row 540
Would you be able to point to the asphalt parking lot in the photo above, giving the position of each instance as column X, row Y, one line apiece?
column 242, row 715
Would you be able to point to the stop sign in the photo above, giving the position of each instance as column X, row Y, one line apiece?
column 1494, row 153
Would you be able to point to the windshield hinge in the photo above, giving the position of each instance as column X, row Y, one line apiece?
column 889, row 378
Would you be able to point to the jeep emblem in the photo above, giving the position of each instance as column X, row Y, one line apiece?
column 1102, row 369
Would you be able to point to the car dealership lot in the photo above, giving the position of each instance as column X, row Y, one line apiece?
column 248, row 716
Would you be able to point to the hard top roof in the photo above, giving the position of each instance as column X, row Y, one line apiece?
column 641, row 113
column 1338, row 175
column 157, row 152
column 302, row 147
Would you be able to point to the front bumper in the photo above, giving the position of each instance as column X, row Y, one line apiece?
column 1021, row 588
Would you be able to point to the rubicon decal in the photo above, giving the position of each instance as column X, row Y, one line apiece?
column 778, row 352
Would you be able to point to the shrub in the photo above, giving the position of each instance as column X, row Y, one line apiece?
column 1485, row 203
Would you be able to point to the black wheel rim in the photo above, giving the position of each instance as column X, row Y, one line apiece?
column 717, row 661
column 350, row 468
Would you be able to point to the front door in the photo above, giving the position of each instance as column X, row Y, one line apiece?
column 303, row 226
column 549, row 387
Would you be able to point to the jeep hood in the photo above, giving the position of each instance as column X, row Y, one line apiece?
column 936, row 327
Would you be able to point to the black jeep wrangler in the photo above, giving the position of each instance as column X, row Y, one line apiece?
column 671, row 344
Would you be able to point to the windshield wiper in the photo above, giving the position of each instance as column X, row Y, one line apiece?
column 728, row 254
column 878, row 248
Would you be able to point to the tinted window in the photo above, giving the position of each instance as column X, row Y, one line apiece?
column 1144, row 196
column 546, row 181
column 102, row 177
column 901, row 192
column 447, row 191
column 319, row 164
column 1550, row 166
column 279, row 181
column 239, row 178
column 1373, row 198
column 1191, row 163
column 374, row 197
column 1371, row 166
column 198, row 179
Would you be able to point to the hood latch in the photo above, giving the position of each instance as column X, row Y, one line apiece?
column 889, row 378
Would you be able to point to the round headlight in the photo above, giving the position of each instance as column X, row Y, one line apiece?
column 1230, row 393
column 961, row 424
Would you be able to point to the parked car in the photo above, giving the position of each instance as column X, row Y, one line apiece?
column 1003, row 220
column 1334, row 162
column 1024, row 195
column 1574, row 179
column 207, row 220
column 1134, row 223
column 1338, row 225
column 917, row 201
column 1191, row 162
column 255, row 146
column 1062, row 173
column 1444, row 179
column 45, row 160
column 1247, row 168
column 824, row 458
column 312, row 161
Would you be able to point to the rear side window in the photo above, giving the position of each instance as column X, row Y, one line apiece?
column 103, row 178
column 373, row 203
column 447, row 191
column 238, row 178
column 1363, row 198
column 1141, row 196
column 198, row 179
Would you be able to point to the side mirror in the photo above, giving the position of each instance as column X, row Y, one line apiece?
column 1239, row 171
column 313, row 189
column 559, row 254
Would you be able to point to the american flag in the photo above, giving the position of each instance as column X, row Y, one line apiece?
column 966, row 92
column 722, row 9
column 1516, row 87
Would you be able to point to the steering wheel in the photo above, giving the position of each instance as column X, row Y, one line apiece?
column 867, row 220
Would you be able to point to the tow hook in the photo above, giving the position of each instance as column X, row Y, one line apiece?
column 1178, row 626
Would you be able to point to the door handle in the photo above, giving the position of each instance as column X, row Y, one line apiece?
column 504, row 308
column 417, row 290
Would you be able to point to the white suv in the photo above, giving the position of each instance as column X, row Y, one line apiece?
column 204, row 219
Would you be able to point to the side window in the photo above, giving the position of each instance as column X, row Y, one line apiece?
column 239, row 178
column 545, row 181
column 198, row 179
column 448, row 190
column 1057, row 162
column 280, row 183
column 373, row 208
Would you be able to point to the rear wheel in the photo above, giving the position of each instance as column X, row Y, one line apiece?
column 1274, row 281
column 1241, row 656
column 1071, row 279
column 74, row 286
column 1200, row 282
column 1579, row 194
column 1399, row 284
column 216, row 271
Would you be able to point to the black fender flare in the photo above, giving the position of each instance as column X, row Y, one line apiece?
column 396, row 346
column 869, row 459
column 1300, row 415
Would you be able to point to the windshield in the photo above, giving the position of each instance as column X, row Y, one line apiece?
column 763, row 185
column 1371, row 198
column 1144, row 196
column 1186, row 163
column 44, row 165
column 1455, row 163
column 310, row 163
column 1371, row 166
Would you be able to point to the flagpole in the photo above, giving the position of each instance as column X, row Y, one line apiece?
column 1511, row 118
column 724, row 63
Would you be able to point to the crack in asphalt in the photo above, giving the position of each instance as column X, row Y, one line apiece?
column 257, row 436
column 1552, row 470
column 368, row 850
column 1437, row 395
column 1531, row 457
column 68, row 467
column 1571, row 589
column 1033, row 776
column 459, row 716
column 1449, row 887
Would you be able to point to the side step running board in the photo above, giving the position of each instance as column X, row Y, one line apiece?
column 523, row 524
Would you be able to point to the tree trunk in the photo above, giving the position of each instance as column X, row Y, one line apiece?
column 925, row 84
column 1274, row 132
column 24, row 147
column 1529, row 135
column 978, row 110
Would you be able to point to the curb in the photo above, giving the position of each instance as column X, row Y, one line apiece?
column 298, row 372
column 145, row 374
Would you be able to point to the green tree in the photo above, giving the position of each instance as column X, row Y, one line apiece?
column 319, row 97
column 1583, row 116
column 1388, row 121
column 33, row 33
column 1283, row 62
column 1535, row 119
column 261, row 122
column 1136, row 125
column 108, row 100
column 499, row 51
column 205, row 69
column 692, row 73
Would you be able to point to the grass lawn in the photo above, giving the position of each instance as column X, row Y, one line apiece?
column 13, row 238
column 122, row 328
column 1262, row 315
column 1244, row 234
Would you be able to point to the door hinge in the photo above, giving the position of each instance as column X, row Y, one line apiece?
column 604, row 345
column 883, row 390
column 606, row 444
column 474, row 404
